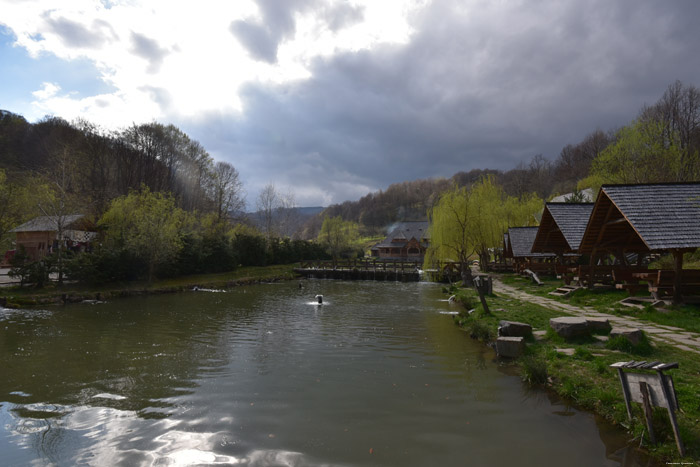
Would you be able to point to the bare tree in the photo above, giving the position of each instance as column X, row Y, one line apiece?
column 227, row 190
column 267, row 203
column 59, row 204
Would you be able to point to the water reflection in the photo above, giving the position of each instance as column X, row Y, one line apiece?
column 255, row 376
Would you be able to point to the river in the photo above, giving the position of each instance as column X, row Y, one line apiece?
column 261, row 375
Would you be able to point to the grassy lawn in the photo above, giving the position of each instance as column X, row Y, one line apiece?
column 28, row 296
column 607, row 301
column 585, row 379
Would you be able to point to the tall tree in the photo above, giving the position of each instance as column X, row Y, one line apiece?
column 337, row 236
column 60, row 201
column 468, row 221
column 226, row 190
column 267, row 203
column 641, row 154
column 147, row 224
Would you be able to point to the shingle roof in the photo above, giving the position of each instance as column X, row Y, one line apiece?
column 46, row 223
column 405, row 231
column 521, row 240
column 571, row 219
column 664, row 216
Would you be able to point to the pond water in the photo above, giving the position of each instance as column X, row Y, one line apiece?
column 261, row 375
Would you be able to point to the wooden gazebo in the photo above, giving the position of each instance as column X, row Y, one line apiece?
column 561, row 228
column 520, row 241
column 647, row 218
column 560, row 232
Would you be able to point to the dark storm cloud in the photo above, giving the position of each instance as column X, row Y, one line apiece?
column 262, row 39
column 74, row 34
column 482, row 85
column 148, row 49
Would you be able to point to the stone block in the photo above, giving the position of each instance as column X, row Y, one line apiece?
column 514, row 329
column 598, row 324
column 569, row 326
column 633, row 335
column 510, row 347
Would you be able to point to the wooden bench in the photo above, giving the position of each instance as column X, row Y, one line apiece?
column 627, row 278
column 663, row 282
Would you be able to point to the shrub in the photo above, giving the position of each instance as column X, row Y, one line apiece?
column 534, row 370
column 621, row 343
column 479, row 330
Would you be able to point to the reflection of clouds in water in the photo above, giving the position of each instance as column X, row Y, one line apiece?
column 108, row 436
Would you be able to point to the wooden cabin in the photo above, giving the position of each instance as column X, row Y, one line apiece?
column 408, row 240
column 643, row 219
column 39, row 236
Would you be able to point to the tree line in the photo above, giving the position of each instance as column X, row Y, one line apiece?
column 162, row 205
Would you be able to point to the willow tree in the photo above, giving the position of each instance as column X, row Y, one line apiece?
column 337, row 235
column 471, row 221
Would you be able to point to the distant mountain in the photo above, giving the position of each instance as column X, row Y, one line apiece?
column 287, row 221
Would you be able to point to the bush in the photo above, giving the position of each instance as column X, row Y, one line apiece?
column 479, row 330
column 30, row 272
column 467, row 298
column 534, row 370
column 105, row 265
column 621, row 343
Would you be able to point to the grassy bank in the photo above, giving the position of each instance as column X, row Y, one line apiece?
column 607, row 301
column 53, row 294
column 585, row 378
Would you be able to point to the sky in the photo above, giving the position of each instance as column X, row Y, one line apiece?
column 330, row 100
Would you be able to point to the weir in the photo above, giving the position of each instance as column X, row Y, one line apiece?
column 377, row 270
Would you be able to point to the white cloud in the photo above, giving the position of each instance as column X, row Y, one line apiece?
column 167, row 60
column 47, row 91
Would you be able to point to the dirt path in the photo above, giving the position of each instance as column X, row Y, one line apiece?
column 679, row 338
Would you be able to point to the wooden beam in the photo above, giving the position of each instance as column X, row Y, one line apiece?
column 677, row 280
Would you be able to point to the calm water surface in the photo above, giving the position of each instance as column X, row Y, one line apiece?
column 378, row 375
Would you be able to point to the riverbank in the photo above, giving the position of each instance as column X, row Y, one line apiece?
column 580, row 372
column 27, row 297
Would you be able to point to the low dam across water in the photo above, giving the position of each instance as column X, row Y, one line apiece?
column 378, row 270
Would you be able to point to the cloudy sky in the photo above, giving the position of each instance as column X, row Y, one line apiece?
column 333, row 99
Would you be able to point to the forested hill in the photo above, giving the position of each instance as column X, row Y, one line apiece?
column 100, row 165
column 661, row 145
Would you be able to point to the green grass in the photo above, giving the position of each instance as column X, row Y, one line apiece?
column 607, row 301
column 586, row 379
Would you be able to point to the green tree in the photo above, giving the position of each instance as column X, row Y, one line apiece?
column 644, row 152
column 18, row 204
column 147, row 224
column 338, row 236
column 468, row 221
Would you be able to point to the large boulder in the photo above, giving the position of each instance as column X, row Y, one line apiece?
column 510, row 347
column 514, row 329
column 569, row 326
column 633, row 335
column 598, row 324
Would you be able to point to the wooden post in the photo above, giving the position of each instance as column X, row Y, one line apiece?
column 672, row 413
column 625, row 392
column 677, row 280
column 646, row 404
